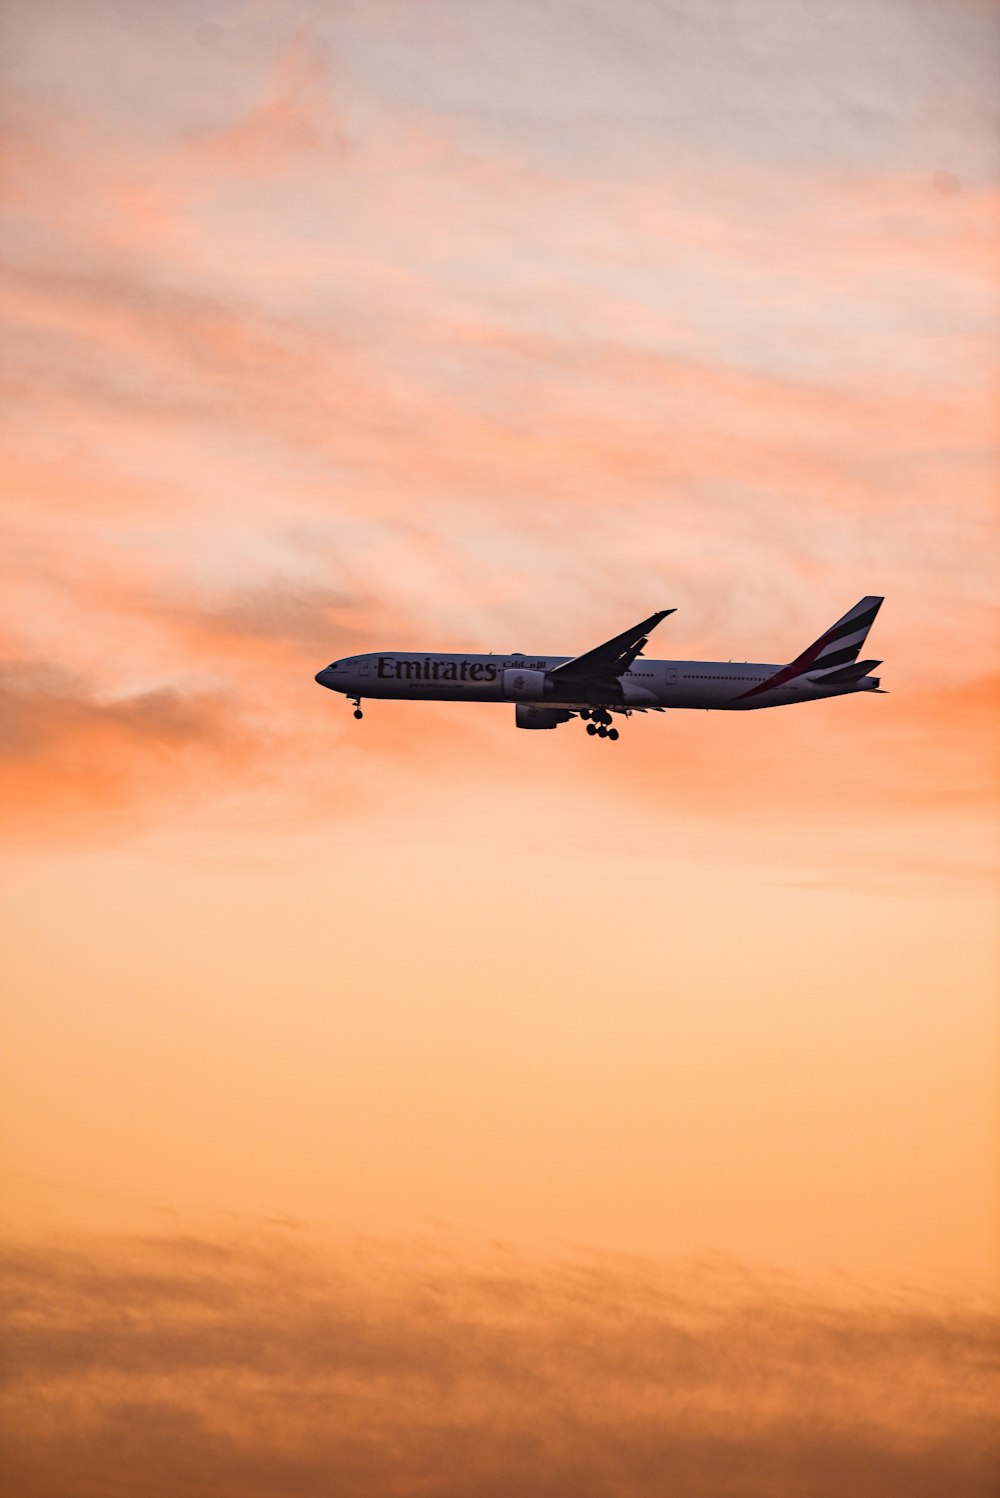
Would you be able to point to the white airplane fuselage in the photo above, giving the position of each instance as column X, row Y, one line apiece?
column 432, row 676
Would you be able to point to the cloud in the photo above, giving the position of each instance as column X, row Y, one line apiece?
column 770, row 83
column 236, row 725
column 292, row 121
column 941, row 737
column 288, row 612
column 924, row 749
column 509, row 394
column 74, row 759
column 42, row 705
column 231, row 638
column 283, row 1364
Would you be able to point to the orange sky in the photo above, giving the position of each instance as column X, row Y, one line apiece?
column 338, row 327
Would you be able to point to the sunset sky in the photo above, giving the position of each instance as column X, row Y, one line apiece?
column 420, row 1086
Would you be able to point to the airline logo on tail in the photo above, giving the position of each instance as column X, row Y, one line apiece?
column 836, row 651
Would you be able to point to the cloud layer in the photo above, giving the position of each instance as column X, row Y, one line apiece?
column 280, row 1364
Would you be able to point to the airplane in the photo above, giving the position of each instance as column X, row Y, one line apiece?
column 614, row 679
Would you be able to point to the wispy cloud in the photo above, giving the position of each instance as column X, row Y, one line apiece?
column 76, row 762
column 283, row 1365
column 292, row 121
column 172, row 659
column 373, row 332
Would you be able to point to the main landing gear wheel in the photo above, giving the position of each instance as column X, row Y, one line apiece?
column 599, row 724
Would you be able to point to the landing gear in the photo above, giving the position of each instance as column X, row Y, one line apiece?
column 600, row 723
column 357, row 706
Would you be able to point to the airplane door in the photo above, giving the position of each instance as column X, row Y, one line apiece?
column 671, row 680
column 364, row 667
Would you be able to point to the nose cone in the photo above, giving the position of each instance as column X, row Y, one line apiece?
column 323, row 677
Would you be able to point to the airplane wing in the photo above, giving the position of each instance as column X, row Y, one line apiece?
column 609, row 660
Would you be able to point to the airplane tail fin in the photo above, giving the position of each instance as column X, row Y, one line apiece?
column 835, row 650
column 840, row 646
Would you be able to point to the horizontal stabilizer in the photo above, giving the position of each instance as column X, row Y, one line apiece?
column 846, row 674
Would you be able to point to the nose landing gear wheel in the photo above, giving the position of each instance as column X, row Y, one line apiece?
column 358, row 713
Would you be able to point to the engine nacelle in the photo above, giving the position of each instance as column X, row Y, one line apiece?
column 527, row 716
column 526, row 686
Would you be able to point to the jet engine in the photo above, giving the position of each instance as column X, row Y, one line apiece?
column 526, row 686
column 527, row 716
